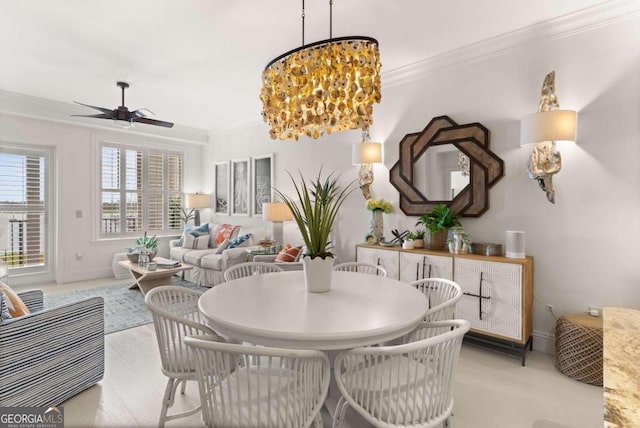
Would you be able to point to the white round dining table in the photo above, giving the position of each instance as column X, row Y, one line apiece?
column 275, row 309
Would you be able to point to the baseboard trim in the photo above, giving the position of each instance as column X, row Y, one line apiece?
column 544, row 342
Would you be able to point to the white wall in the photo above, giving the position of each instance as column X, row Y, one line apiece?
column 586, row 245
column 76, row 174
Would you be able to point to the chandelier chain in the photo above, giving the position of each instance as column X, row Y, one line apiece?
column 302, row 22
column 330, row 19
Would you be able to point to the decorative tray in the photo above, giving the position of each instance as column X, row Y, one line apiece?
column 388, row 244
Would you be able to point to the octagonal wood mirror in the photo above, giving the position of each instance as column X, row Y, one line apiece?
column 446, row 164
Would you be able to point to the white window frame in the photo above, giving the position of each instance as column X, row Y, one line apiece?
column 48, row 207
column 146, row 150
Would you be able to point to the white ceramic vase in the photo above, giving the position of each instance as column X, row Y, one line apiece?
column 317, row 273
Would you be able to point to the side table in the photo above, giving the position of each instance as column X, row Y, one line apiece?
column 579, row 347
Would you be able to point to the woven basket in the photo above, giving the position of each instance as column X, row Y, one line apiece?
column 579, row 348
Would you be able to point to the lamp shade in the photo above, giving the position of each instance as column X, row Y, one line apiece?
column 367, row 152
column 276, row 211
column 554, row 125
column 197, row 200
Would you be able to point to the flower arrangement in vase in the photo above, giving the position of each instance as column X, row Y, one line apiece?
column 377, row 207
column 315, row 214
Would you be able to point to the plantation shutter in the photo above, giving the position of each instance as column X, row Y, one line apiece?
column 150, row 184
column 23, row 208
column 174, row 190
column 155, row 193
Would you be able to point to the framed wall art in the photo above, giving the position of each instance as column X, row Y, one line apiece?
column 261, row 182
column 240, row 186
column 221, row 188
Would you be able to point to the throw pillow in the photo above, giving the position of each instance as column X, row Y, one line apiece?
column 223, row 246
column 16, row 306
column 288, row 254
column 202, row 242
column 237, row 242
column 196, row 242
column 224, row 232
column 189, row 229
column 4, row 309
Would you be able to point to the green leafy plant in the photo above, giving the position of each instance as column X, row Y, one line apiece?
column 151, row 243
column 439, row 218
column 419, row 234
column 411, row 236
column 317, row 209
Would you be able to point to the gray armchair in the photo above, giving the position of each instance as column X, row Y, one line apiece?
column 51, row 354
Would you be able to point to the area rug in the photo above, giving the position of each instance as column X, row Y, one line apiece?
column 123, row 307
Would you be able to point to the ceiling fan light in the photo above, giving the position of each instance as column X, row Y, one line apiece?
column 124, row 124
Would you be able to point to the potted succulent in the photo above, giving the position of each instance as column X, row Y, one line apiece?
column 418, row 238
column 436, row 224
column 315, row 208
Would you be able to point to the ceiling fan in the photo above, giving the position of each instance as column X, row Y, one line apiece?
column 122, row 113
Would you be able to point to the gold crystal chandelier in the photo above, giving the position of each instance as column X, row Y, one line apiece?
column 325, row 86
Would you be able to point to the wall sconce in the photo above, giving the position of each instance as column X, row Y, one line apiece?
column 193, row 201
column 544, row 128
column 365, row 154
column 276, row 213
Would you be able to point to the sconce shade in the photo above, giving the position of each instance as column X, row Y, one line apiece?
column 554, row 125
column 366, row 152
column 276, row 211
column 196, row 200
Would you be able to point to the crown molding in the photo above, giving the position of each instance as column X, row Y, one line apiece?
column 581, row 21
column 238, row 125
column 27, row 106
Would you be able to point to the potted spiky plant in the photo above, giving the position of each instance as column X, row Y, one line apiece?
column 315, row 209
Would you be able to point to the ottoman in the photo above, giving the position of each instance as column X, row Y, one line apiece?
column 579, row 347
column 120, row 272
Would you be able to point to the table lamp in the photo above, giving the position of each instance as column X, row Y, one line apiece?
column 194, row 201
column 276, row 213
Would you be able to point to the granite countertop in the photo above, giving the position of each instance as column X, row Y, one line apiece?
column 621, row 367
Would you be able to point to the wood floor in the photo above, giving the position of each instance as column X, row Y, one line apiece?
column 492, row 390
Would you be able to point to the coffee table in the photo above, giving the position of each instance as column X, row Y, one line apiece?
column 147, row 279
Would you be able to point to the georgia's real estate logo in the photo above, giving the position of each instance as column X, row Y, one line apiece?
column 32, row 417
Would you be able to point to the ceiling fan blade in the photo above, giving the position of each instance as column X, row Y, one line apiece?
column 143, row 112
column 98, row 116
column 152, row 122
column 104, row 110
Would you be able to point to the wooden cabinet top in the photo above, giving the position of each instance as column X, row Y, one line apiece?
column 526, row 261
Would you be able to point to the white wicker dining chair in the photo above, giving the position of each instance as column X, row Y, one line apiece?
column 250, row 268
column 361, row 268
column 270, row 387
column 402, row 385
column 443, row 296
column 175, row 316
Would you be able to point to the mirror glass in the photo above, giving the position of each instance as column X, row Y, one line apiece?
column 441, row 172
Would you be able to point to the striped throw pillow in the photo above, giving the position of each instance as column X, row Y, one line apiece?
column 288, row 254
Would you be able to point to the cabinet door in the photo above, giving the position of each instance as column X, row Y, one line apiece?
column 414, row 266
column 492, row 299
column 388, row 259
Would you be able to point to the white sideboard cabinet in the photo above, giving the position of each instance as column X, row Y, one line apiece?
column 498, row 291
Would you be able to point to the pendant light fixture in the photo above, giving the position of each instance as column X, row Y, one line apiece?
column 325, row 86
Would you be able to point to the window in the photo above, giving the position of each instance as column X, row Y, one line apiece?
column 141, row 190
column 24, row 208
